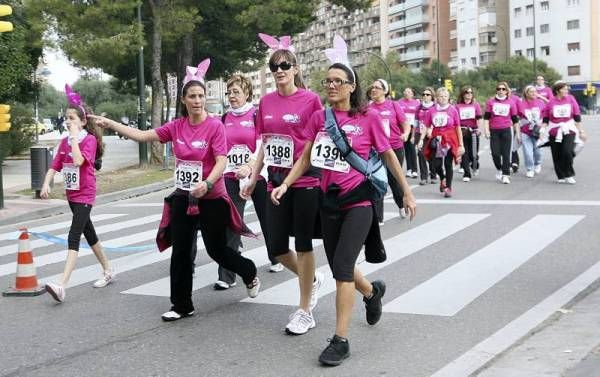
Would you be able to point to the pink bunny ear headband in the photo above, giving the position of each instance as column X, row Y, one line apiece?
column 283, row 43
column 74, row 99
column 196, row 73
column 339, row 54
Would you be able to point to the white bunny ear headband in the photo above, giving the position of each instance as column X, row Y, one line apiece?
column 339, row 54
column 283, row 43
column 196, row 73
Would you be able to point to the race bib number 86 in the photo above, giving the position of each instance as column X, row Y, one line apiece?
column 71, row 177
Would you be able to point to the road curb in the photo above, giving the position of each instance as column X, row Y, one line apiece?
column 100, row 199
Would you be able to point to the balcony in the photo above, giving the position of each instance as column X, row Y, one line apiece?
column 410, row 38
column 453, row 34
column 417, row 19
column 407, row 5
column 415, row 55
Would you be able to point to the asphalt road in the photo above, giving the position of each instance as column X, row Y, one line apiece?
column 471, row 270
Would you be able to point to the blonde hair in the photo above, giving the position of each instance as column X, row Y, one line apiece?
column 243, row 82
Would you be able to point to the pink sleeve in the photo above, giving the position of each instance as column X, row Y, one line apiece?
column 427, row 118
column 218, row 141
column 258, row 123
column 546, row 110
column 380, row 141
column 400, row 115
column 488, row 106
column 513, row 108
column 166, row 131
column 576, row 109
column 57, row 162
column 314, row 125
column 317, row 103
column 456, row 117
column 88, row 148
column 477, row 109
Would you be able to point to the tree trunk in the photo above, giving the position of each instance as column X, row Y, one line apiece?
column 157, row 85
column 186, row 54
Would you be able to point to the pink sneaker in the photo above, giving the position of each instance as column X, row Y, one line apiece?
column 447, row 192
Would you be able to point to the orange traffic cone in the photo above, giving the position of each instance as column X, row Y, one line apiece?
column 26, row 282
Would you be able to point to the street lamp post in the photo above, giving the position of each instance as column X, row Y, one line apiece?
column 382, row 60
column 143, row 147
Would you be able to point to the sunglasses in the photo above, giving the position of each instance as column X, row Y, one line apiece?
column 427, row 94
column 500, row 88
column 469, row 92
column 285, row 66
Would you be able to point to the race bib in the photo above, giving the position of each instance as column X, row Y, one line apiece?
column 501, row 109
column 71, row 177
column 237, row 156
column 326, row 155
column 278, row 150
column 533, row 114
column 386, row 127
column 467, row 113
column 561, row 111
column 187, row 174
column 410, row 118
column 440, row 120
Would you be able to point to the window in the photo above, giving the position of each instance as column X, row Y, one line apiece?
column 463, row 43
column 573, row 47
column 545, row 50
column 529, row 31
column 472, row 42
column 545, row 28
column 545, row 6
column 517, row 12
column 473, row 60
column 529, row 10
column 463, row 61
column 572, row 24
column 517, row 33
column 519, row 52
column 574, row 70
column 530, row 52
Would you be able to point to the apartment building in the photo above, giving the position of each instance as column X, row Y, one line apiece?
column 420, row 31
column 480, row 28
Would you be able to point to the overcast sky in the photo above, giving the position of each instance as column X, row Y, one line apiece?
column 61, row 71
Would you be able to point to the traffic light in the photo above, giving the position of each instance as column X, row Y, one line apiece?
column 4, row 118
column 590, row 90
column 5, row 26
column 448, row 84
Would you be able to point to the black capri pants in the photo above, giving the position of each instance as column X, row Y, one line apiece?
column 81, row 224
column 344, row 233
column 296, row 214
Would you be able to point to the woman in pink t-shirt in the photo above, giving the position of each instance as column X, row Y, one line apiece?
column 530, row 110
column 200, row 199
column 470, row 115
column 562, row 119
column 543, row 92
column 500, row 116
column 347, row 220
column 425, row 167
column 241, row 135
column 75, row 158
column 281, row 118
column 397, row 129
column 410, row 105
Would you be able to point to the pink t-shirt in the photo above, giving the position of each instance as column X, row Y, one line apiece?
column 198, row 142
column 501, row 112
column 87, row 180
column 392, row 114
column 420, row 118
column 410, row 107
column 530, row 110
column 545, row 92
column 240, row 131
column 468, row 113
column 364, row 132
column 441, row 119
column 561, row 110
column 288, row 116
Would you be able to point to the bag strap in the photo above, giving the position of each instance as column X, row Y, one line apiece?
column 357, row 162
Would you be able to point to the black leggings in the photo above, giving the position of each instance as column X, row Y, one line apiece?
column 81, row 224
column 470, row 159
column 411, row 154
column 439, row 165
column 212, row 221
column 562, row 156
column 500, row 144
column 425, row 167
column 394, row 186
column 234, row 240
column 344, row 234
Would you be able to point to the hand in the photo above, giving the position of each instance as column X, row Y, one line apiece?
column 199, row 190
column 583, row 135
column 278, row 192
column 412, row 140
column 247, row 190
column 45, row 192
column 243, row 171
column 518, row 138
column 100, row 121
column 404, row 137
column 410, row 205
column 420, row 145
column 487, row 134
column 461, row 150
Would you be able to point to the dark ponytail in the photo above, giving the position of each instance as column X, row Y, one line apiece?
column 357, row 104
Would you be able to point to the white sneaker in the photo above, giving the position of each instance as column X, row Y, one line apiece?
column 561, row 181
column 277, row 267
column 499, row 175
column 415, row 174
column 57, row 291
column 505, row 179
column 570, row 180
column 381, row 223
column 253, row 288
column 461, row 171
column 475, row 172
column 171, row 316
column 300, row 323
column 221, row 285
column 409, row 173
column 314, row 294
column 105, row 280
column 537, row 169
column 466, row 179
column 403, row 214
column 529, row 174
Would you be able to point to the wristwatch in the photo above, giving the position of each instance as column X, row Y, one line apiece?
column 209, row 185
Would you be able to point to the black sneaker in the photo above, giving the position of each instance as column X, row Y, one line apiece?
column 337, row 350
column 373, row 304
column 515, row 167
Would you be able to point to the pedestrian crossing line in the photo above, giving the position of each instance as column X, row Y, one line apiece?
column 570, row 203
column 207, row 274
column 123, row 264
column 398, row 247
column 10, row 249
column 54, row 226
column 133, row 205
column 448, row 292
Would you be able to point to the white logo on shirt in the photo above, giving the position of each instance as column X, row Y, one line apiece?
column 180, row 142
column 268, row 117
column 247, row 123
column 386, row 112
column 352, row 129
column 199, row 144
column 291, row 118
